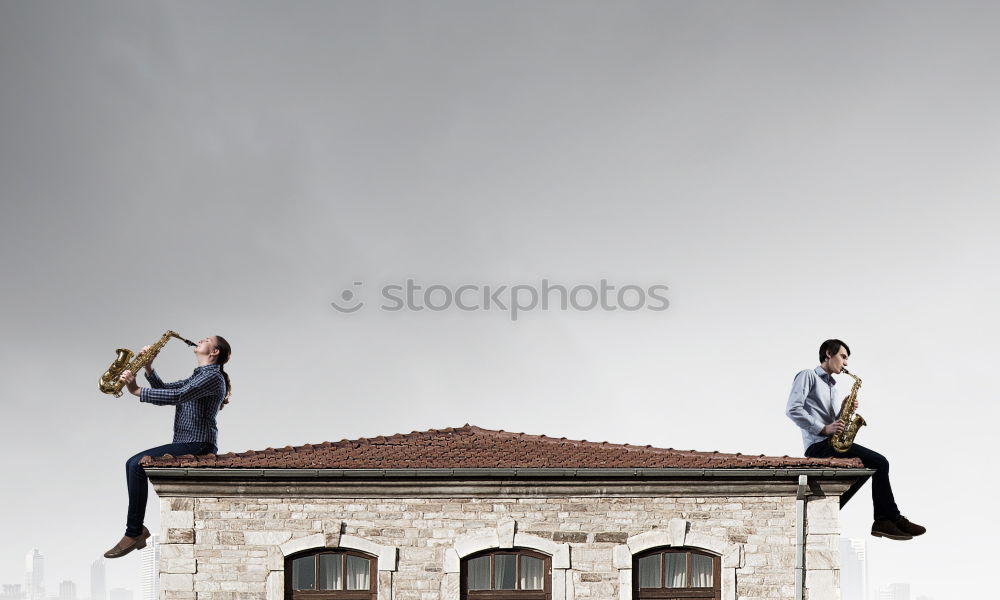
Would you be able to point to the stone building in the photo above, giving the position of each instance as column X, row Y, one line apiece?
column 476, row 514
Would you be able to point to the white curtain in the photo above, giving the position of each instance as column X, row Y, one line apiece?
column 649, row 571
column 676, row 570
column 532, row 573
column 504, row 572
column 702, row 571
column 479, row 573
column 330, row 572
column 304, row 573
column 358, row 573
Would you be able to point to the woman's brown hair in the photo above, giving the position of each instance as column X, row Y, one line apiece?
column 225, row 351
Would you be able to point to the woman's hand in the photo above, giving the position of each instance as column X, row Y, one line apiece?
column 129, row 379
column 149, row 365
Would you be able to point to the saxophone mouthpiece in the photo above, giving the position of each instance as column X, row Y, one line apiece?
column 181, row 338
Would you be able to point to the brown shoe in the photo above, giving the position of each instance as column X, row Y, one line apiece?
column 887, row 528
column 904, row 525
column 128, row 544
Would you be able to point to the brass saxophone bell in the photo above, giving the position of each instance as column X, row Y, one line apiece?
column 110, row 382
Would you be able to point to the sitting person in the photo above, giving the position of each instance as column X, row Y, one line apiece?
column 197, row 401
column 813, row 406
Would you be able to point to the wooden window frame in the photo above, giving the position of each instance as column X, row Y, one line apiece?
column 664, row 593
column 344, row 594
column 543, row 594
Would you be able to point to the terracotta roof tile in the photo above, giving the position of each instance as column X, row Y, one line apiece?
column 474, row 447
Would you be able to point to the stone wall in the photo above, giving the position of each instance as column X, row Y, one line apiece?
column 233, row 548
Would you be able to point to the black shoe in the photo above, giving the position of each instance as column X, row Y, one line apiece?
column 887, row 528
column 904, row 525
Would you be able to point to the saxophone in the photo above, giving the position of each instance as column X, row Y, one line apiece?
column 110, row 382
column 842, row 441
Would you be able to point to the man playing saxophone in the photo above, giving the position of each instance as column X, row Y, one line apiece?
column 813, row 407
column 196, row 401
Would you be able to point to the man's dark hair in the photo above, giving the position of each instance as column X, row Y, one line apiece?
column 830, row 347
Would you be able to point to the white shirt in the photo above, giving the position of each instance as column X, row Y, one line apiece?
column 813, row 404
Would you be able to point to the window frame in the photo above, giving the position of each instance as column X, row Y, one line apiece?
column 344, row 594
column 665, row 593
column 493, row 594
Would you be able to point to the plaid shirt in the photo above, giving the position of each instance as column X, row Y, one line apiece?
column 197, row 400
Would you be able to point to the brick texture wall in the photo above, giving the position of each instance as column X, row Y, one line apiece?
column 234, row 548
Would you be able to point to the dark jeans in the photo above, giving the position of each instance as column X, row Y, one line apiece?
column 138, row 485
column 882, row 499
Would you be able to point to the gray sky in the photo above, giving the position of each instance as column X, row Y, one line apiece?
column 791, row 170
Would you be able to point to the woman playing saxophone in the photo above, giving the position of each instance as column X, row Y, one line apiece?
column 196, row 401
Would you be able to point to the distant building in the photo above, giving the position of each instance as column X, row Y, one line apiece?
column 98, row 581
column 149, row 562
column 13, row 591
column 67, row 590
column 853, row 569
column 120, row 594
column 895, row 591
column 34, row 575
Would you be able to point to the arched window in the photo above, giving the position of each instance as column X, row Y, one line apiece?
column 507, row 575
column 667, row 573
column 331, row 574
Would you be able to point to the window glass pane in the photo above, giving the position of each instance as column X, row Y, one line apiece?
column 479, row 573
column 532, row 571
column 701, row 571
column 676, row 570
column 649, row 571
column 330, row 572
column 504, row 571
column 304, row 573
column 358, row 571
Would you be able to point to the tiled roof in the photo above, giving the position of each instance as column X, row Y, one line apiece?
column 473, row 447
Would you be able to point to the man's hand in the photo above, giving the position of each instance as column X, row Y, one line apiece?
column 832, row 428
column 129, row 379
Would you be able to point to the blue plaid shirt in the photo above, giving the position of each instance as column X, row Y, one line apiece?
column 197, row 400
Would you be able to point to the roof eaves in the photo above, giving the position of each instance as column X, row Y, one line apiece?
column 639, row 472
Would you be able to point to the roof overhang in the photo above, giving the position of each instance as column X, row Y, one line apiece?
column 501, row 482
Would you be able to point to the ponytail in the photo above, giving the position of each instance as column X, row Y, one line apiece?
column 229, row 388
column 225, row 351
